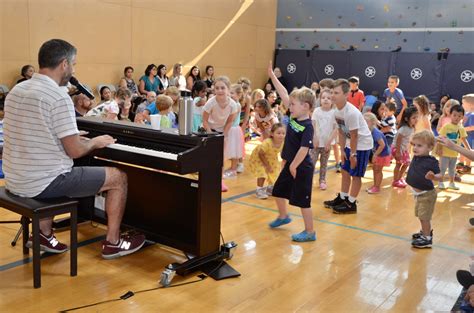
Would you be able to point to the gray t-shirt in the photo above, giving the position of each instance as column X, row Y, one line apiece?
column 38, row 114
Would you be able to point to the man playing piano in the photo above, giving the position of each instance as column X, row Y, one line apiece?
column 41, row 141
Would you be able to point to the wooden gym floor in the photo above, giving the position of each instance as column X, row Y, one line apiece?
column 359, row 263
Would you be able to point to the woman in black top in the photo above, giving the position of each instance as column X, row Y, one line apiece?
column 27, row 72
column 209, row 78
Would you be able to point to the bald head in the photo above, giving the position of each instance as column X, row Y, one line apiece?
column 150, row 96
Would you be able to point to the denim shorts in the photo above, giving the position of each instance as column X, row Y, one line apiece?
column 80, row 182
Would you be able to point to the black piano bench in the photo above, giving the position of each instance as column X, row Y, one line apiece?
column 34, row 210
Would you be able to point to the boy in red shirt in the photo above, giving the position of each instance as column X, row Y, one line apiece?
column 356, row 96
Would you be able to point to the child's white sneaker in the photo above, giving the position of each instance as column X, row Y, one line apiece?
column 261, row 193
column 441, row 185
column 453, row 186
column 229, row 174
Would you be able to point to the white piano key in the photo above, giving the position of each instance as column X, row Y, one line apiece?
column 143, row 151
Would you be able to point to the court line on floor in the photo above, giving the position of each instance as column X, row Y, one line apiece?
column 441, row 246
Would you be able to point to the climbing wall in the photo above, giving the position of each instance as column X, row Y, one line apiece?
column 372, row 25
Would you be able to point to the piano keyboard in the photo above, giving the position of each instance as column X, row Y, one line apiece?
column 143, row 151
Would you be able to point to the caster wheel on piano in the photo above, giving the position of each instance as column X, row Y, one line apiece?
column 166, row 277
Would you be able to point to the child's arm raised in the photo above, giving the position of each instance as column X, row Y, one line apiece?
column 280, row 89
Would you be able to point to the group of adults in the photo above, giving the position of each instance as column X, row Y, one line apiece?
column 156, row 80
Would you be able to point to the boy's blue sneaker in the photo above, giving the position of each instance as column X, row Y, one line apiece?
column 279, row 222
column 304, row 236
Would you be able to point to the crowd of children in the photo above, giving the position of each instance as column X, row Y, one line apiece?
column 305, row 125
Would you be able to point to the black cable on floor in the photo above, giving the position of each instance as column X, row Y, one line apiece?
column 130, row 294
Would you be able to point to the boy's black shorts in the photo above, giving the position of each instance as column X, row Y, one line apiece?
column 296, row 190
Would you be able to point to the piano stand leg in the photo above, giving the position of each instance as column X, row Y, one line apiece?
column 213, row 265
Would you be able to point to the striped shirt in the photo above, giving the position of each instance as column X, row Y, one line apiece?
column 38, row 114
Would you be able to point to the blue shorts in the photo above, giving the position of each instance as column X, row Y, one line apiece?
column 362, row 161
column 296, row 190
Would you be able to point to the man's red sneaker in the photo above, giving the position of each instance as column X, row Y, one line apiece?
column 127, row 244
column 48, row 244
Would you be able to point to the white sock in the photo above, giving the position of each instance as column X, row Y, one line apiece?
column 352, row 199
column 343, row 195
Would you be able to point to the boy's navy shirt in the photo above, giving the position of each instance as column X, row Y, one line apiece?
column 298, row 134
column 419, row 166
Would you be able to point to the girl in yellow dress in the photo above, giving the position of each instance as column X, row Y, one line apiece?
column 263, row 162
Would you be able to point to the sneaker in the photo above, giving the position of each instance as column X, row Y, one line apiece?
column 323, row 186
column 441, row 185
column 48, row 244
column 229, row 174
column 240, row 168
column 453, row 186
column 280, row 222
column 346, row 207
column 422, row 242
column 419, row 234
column 224, row 188
column 465, row 278
column 304, row 236
column 399, row 184
column 261, row 193
column 127, row 244
column 338, row 167
column 332, row 203
column 269, row 190
column 403, row 181
column 373, row 190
